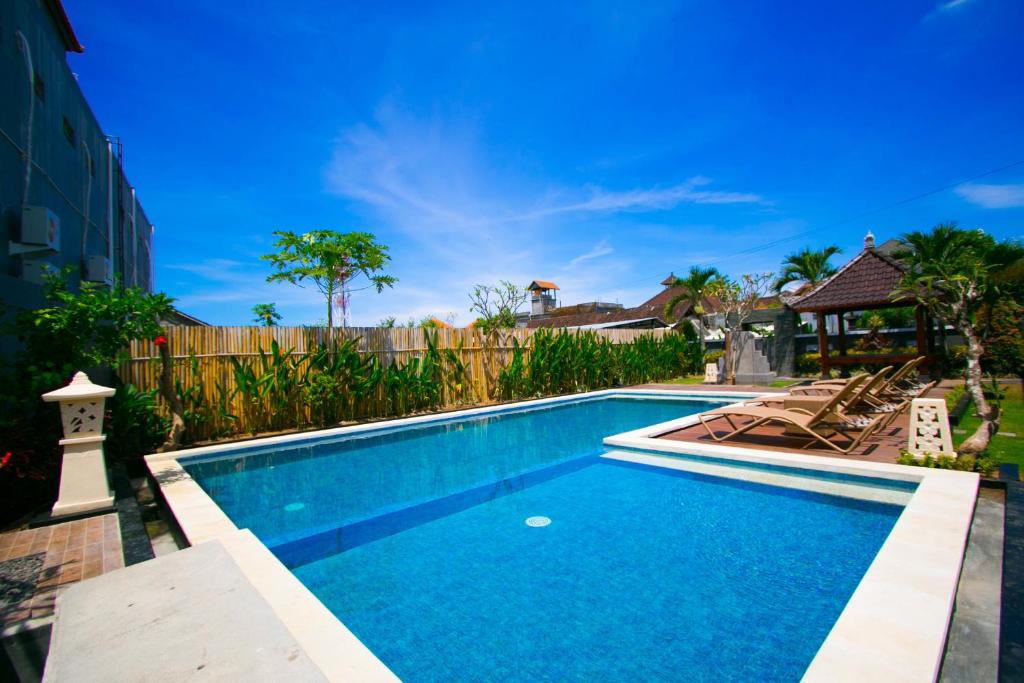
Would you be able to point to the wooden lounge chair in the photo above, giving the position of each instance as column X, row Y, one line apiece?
column 902, row 377
column 871, row 383
column 902, row 402
column 804, row 421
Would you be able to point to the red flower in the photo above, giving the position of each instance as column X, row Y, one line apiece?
column 6, row 459
column 160, row 341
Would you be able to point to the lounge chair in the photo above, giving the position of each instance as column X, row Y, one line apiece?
column 804, row 421
column 872, row 383
column 901, row 378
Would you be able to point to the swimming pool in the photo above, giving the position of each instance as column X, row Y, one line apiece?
column 417, row 540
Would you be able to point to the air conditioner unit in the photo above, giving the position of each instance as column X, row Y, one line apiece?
column 32, row 270
column 40, row 227
column 98, row 269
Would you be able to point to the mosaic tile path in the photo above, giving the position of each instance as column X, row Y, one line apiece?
column 35, row 564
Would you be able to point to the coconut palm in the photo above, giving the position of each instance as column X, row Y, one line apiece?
column 807, row 265
column 695, row 287
column 957, row 275
column 919, row 249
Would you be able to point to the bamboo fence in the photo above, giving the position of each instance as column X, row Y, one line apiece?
column 212, row 349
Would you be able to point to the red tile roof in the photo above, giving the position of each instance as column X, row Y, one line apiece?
column 541, row 284
column 579, row 319
column 652, row 308
column 867, row 281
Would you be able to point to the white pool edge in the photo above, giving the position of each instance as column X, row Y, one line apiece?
column 893, row 628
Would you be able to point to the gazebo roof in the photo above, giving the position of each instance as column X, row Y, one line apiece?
column 867, row 281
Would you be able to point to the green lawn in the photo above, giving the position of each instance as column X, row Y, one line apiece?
column 699, row 379
column 689, row 379
column 1003, row 448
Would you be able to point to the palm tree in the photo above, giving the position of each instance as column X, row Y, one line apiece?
column 695, row 288
column 807, row 265
column 919, row 249
column 265, row 314
column 958, row 275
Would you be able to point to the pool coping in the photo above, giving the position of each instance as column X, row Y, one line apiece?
column 893, row 627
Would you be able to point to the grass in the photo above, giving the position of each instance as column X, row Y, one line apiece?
column 699, row 379
column 689, row 379
column 1009, row 449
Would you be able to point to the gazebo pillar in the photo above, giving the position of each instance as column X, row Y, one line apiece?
column 844, row 370
column 823, row 345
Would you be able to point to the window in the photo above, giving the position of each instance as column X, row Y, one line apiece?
column 69, row 131
column 39, row 85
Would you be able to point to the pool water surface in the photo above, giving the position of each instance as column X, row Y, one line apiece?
column 419, row 542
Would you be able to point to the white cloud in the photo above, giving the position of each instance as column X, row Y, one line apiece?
column 433, row 175
column 600, row 249
column 457, row 214
column 951, row 5
column 993, row 196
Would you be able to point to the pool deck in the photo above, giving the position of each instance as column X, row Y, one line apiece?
column 882, row 447
column 37, row 564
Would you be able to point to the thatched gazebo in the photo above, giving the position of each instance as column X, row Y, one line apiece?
column 867, row 282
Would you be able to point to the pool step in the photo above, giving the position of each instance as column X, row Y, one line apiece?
column 845, row 489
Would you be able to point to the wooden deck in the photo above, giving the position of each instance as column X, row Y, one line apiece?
column 881, row 447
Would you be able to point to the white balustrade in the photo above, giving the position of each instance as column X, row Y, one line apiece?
column 711, row 373
column 929, row 430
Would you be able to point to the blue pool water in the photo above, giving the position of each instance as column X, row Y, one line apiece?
column 417, row 541
column 284, row 495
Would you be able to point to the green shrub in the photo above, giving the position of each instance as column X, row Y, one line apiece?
column 807, row 364
column 985, row 465
column 559, row 363
column 953, row 396
column 134, row 426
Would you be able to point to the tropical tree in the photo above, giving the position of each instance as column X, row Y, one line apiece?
column 695, row 288
column 956, row 275
column 433, row 322
column 1004, row 346
column 737, row 300
column 332, row 261
column 496, row 305
column 265, row 314
column 808, row 265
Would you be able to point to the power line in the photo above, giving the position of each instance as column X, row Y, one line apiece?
column 870, row 212
column 850, row 219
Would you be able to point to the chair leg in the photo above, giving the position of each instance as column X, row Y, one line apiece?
column 736, row 431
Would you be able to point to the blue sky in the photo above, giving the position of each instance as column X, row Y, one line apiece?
column 597, row 144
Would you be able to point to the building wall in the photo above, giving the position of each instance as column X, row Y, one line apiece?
column 65, row 135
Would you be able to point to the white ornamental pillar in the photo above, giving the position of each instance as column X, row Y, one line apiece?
column 711, row 373
column 929, row 431
column 83, row 474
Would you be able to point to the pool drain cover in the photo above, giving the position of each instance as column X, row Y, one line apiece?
column 537, row 521
column 294, row 507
